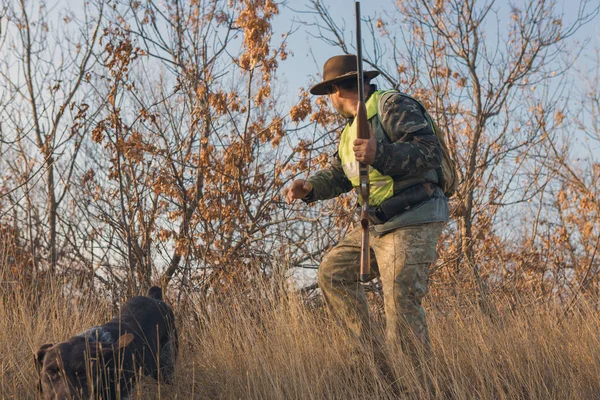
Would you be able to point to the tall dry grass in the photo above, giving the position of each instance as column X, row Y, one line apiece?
column 265, row 345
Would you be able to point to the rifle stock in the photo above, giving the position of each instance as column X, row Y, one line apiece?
column 362, row 132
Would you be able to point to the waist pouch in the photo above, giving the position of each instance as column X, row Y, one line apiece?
column 403, row 201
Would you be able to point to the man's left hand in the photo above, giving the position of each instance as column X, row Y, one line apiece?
column 365, row 149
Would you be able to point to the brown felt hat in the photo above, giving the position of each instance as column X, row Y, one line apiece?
column 337, row 69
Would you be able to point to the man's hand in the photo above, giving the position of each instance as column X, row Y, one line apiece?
column 298, row 190
column 365, row 149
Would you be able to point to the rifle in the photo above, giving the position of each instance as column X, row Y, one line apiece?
column 362, row 132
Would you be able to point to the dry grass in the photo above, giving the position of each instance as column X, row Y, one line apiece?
column 275, row 348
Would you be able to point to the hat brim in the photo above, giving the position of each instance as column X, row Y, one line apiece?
column 322, row 88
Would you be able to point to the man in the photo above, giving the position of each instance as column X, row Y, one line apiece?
column 407, row 206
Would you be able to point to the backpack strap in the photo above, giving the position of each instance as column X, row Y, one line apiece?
column 382, row 99
column 386, row 95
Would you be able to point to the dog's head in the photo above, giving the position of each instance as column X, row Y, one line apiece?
column 77, row 368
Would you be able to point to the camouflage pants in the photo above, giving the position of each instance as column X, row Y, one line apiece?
column 401, row 259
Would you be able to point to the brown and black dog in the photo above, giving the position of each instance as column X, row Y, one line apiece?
column 105, row 361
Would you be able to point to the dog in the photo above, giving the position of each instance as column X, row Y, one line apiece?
column 105, row 361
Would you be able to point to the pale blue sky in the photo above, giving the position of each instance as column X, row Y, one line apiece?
column 310, row 53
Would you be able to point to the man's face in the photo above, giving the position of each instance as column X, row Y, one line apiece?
column 344, row 99
column 336, row 102
column 341, row 100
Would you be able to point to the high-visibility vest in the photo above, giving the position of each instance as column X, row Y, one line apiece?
column 382, row 186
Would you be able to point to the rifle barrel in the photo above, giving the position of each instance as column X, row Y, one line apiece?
column 361, row 86
column 362, row 132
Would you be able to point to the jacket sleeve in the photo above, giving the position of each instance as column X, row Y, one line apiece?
column 414, row 146
column 329, row 183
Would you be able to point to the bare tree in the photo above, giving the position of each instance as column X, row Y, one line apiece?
column 43, row 111
column 193, row 152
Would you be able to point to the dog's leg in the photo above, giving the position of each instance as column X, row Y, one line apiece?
column 168, row 356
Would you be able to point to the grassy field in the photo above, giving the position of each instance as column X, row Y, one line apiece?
column 274, row 347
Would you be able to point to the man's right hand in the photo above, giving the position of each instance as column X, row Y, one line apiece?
column 298, row 190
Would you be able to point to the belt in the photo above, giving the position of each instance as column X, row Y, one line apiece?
column 401, row 202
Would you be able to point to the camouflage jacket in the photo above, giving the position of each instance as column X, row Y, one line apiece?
column 407, row 150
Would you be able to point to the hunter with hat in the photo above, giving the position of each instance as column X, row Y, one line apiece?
column 408, row 207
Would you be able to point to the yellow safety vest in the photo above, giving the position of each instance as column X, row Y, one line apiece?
column 382, row 186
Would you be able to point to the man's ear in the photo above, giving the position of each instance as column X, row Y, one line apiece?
column 41, row 353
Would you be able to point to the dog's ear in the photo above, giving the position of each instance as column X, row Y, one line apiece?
column 124, row 340
column 39, row 361
column 41, row 353
column 108, row 350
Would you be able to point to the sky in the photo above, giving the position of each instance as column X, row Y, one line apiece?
column 309, row 54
